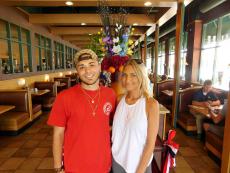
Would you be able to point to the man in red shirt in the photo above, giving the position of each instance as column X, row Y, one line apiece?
column 80, row 117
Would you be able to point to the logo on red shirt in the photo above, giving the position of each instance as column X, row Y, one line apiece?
column 107, row 108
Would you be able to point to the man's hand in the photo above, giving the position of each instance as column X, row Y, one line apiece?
column 206, row 104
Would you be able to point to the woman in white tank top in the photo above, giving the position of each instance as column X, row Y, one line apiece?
column 135, row 124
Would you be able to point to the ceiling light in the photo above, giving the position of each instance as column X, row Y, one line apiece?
column 90, row 34
column 147, row 4
column 69, row 3
column 83, row 24
column 135, row 24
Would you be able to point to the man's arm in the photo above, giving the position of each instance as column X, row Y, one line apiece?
column 58, row 140
column 215, row 103
column 203, row 104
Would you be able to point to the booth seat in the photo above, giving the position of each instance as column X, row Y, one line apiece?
column 46, row 100
column 74, row 79
column 23, row 113
column 213, row 142
column 186, row 120
column 168, row 85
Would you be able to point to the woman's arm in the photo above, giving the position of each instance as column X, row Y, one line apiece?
column 153, row 124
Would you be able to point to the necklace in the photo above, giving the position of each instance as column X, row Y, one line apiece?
column 91, row 98
column 94, row 109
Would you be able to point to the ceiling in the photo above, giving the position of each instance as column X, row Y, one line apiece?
column 66, row 21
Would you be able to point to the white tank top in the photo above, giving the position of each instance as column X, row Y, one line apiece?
column 129, row 134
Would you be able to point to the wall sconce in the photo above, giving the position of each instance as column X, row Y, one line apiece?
column 21, row 82
column 47, row 78
column 60, row 74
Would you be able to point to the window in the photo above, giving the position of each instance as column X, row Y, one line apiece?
column 59, row 55
column 161, row 58
column 171, row 57
column 215, row 61
column 69, row 57
column 183, row 55
column 43, row 53
column 149, row 59
column 15, row 53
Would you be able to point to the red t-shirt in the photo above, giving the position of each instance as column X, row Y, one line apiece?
column 87, row 137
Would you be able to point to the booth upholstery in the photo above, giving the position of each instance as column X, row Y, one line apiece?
column 23, row 113
column 66, row 80
column 168, row 85
column 186, row 120
column 213, row 142
column 46, row 100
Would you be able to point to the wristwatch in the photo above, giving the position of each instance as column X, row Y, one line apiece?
column 58, row 170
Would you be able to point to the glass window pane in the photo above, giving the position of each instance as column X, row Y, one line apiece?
column 209, row 34
column 24, row 34
column 49, row 57
column 36, row 40
column 225, row 30
column 14, row 32
column 16, row 57
column 26, row 58
column 37, row 59
column 48, row 43
column 42, row 42
column 43, row 59
column 4, row 57
column 3, row 33
column 206, row 65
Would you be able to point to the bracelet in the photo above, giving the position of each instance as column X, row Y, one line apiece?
column 57, row 170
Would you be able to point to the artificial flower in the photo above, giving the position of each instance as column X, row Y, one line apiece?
column 116, row 49
column 116, row 40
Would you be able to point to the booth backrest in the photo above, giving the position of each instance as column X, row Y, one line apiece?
column 47, row 85
column 185, row 98
column 18, row 98
column 164, row 85
column 66, row 80
column 169, row 85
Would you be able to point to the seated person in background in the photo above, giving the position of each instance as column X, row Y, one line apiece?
column 219, row 119
column 205, row 98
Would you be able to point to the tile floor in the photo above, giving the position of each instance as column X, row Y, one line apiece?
column 30, row 152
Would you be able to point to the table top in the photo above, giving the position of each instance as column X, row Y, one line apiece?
column 5, row 108
column 39, row 92
column 163, row 110
column 168, row 92
column 204, row 110
column 61, row 85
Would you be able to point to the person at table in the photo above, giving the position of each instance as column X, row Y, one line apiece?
column 217, row 127
column 80, row 117
column 205, row 97
column 135, row 123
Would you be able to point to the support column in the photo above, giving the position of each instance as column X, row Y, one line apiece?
column 145, row 50
column 194, row 49
column 225, row 164
column 156, row 59
column 179, row 32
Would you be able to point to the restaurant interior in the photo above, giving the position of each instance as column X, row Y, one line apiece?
column 181, row 42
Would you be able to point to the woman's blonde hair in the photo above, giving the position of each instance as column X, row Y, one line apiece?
column 142, row 75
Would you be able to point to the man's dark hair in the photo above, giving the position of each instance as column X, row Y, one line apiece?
column 207, row 82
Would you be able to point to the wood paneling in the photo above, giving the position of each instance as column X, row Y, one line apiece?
column 89, row 19
column 13, row 83
column 87, row 3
